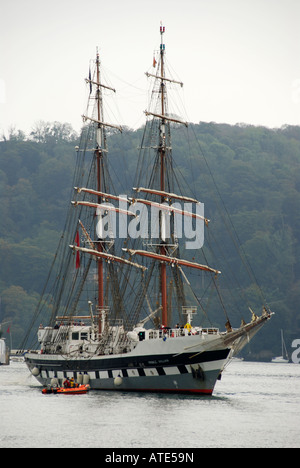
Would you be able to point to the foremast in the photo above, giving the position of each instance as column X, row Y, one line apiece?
column 97, row 247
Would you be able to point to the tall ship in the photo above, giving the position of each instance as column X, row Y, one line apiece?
column 122, row 313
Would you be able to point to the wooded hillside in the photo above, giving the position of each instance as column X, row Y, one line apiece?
column 257, row 171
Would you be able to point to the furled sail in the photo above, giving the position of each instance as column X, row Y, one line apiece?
column 165, row 194
column 171, row 260
column 100, row 194
column 106, row 256
column 169, row 208
column 104, row 207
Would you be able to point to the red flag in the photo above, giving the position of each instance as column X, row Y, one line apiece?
column 8, row 330
column 77, row 242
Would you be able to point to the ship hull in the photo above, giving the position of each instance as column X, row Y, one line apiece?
column 186, row 373
column 184, row 364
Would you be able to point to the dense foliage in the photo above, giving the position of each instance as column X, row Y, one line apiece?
column 257, row 171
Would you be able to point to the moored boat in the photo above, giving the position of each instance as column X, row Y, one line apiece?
column 4, row 353
column 284, row 358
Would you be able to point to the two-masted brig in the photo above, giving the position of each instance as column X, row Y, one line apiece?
column 119, row 315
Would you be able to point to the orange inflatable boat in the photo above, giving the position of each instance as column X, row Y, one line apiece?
column 80, row 390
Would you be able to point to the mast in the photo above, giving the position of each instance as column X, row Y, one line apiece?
column 161, row 184
column 101, row 185
column 98, row 248
column 99, row 161
column 162, row 151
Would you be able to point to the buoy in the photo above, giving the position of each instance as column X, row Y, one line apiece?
column 86, row 379
column 54, row 382
column 118, row 381
column 79, row 379
column 35, row 371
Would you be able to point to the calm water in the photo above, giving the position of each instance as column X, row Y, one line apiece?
column 255, row 405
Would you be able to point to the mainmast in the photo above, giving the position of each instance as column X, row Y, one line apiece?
column 164, row 187
column 99, row 158
column 162, row 151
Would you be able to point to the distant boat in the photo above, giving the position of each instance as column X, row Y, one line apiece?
column 284, row 358
column 4, row 353
column 16, row 356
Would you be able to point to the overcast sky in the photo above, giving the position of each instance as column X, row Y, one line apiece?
column 239, row 59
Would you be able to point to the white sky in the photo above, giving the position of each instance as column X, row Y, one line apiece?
column 239, row 59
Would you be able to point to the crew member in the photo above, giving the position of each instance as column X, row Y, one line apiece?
column 67, row 383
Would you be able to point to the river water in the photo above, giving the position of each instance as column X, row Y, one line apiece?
column 254, row 405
